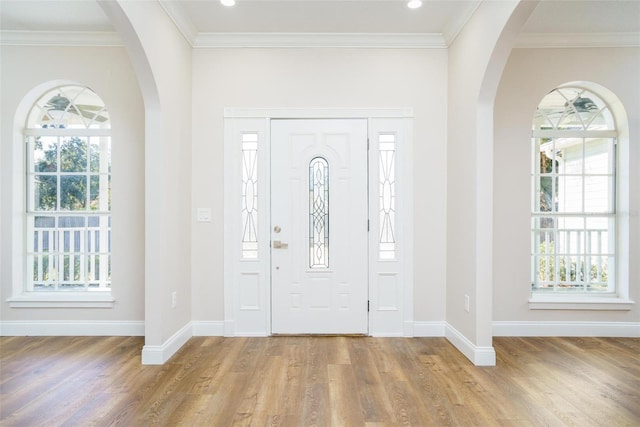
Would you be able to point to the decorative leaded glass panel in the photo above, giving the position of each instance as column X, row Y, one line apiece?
column 318, row 213
column 387, row 191
column 250, row 195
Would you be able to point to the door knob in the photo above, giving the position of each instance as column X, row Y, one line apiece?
column 277, row 229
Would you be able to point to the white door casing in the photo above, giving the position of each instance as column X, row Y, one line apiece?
column 319, row 214
column 247, row 256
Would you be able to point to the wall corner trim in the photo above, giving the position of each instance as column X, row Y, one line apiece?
column 478, row 355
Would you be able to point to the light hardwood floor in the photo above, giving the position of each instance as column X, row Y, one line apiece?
column 322, row 381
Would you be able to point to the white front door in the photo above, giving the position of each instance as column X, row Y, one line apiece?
column 319, row 203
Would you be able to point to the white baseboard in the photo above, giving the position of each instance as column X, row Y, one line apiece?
column 71, row 328
column 206, row 328
column 158, row 354
column 229, row 328
column 429, row 329
column 480, row 356
column 566, row 329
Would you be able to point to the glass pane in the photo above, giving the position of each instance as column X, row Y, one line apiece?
column 387, row 191
column 69, row 107
column 543, row 251
column 318, row 213
column 73, row 193
column 598, row 156
column 571, row 121
column 597, row 191
column 603, row 120
column 94, row 154
column 569, row 194
column 547, row 157
column 45, row 192
column 573, row 109
column 250, row 195
column 44, row 234
column 99, row 191
column 547, row 197
column 570, row 155
column 73, row 155
column 45, row 154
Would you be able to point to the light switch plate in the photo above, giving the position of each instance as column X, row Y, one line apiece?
column 204, row 215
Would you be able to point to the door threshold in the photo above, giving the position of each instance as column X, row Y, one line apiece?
column 321, row 335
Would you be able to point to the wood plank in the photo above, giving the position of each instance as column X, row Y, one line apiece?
column 322, row 381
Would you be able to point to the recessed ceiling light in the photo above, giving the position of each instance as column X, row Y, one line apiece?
column 228, row 2
column 414, row 4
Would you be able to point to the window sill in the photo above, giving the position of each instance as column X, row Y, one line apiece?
column 62, row 300
column 578, row 302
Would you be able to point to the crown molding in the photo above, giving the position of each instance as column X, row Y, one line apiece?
column 577, row 40
column 181, row 20
column 455, row 26
column 59, row 38
column 317, row 40
column 320, row 40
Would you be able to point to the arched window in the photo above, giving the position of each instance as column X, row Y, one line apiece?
column 573, row 216
column 68, row 204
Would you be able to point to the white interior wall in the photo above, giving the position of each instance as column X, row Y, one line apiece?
column 108, row 72
column 529, row 75
column 343, row 78
column 161, row 59
column 476, row 59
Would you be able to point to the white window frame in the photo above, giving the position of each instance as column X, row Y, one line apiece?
column 22, row 297
column 619, row 298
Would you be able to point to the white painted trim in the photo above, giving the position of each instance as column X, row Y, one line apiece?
column 62, row 299
column 159, row 354
column 71, row 328
column 321, row 40
column 565, row 329
column 60, row 38
column 479, row 356
column 545, row 133
column 207, row 328
column 238, row 324
column 457, row 23
column 429, row 329
column 571, row 302
column 183, row 23
column 317, row 113
column 577, row 40
column 311, row 40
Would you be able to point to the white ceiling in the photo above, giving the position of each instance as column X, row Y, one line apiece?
column 443, row 17
column 52, row 15
column 579, row 16
column 327, row 16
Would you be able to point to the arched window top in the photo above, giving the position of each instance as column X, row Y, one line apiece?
column 69, row 107
column 573, row 109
